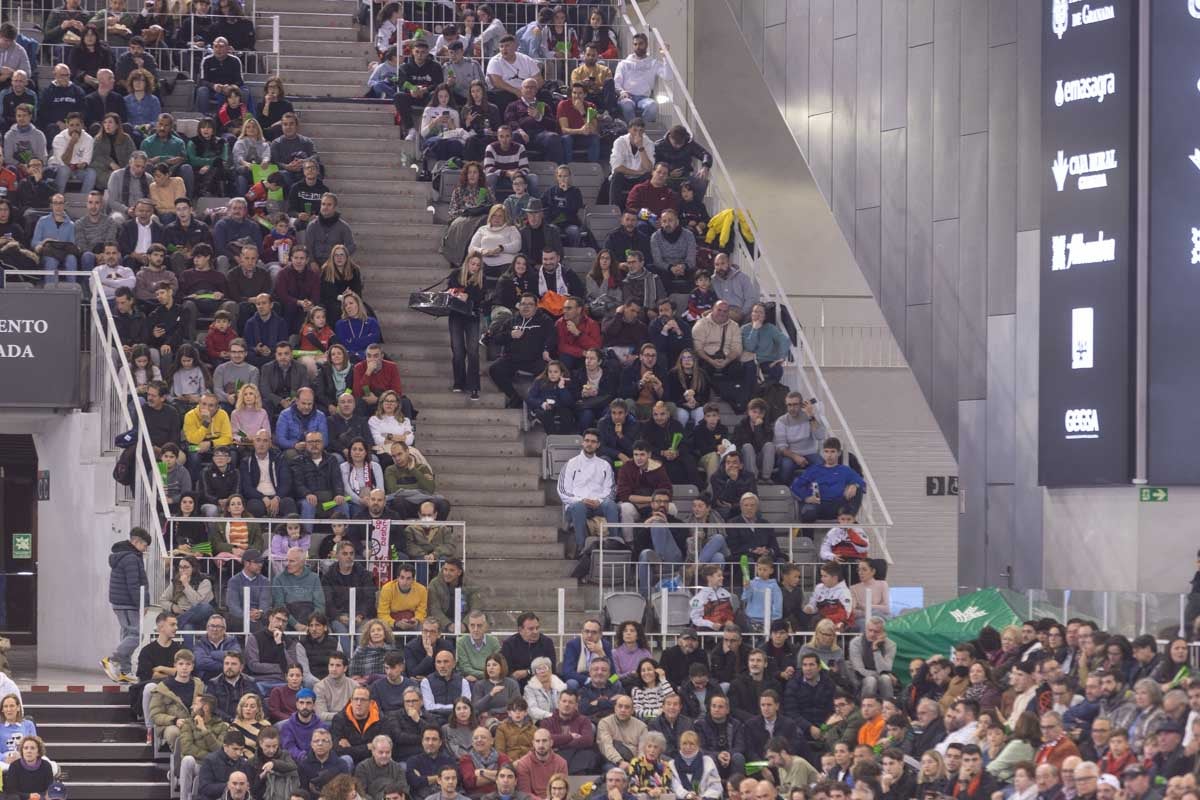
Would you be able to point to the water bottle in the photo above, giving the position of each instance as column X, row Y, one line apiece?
column 816, row 490
column 744, row 561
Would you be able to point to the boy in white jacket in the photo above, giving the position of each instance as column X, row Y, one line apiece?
column 831, row 598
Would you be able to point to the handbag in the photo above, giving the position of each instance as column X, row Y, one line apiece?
column 440, row 304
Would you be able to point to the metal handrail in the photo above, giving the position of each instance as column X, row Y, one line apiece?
column 762, row 264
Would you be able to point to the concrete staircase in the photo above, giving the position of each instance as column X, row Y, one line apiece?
column 485, row 465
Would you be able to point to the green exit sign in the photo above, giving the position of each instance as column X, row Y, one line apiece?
column 1152, row 494
column 22, row 545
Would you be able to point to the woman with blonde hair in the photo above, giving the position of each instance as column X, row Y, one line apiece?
column 339, row 275
column 933, row 775
column 249, row 720
column 249, row 151
column 497, row 240
column 466, row 282
column 374, row 644
column 558, row 787
column 824, row 644
column 389, row 425
column 356, row 329
column 694, row 775
column 249, row 416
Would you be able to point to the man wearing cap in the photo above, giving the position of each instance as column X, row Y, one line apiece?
column 677, row 659
column 251, row 578
column 1138, row 784
column 538, row 235
column 295, row 733
column 1170, row 758
column 1107, row 787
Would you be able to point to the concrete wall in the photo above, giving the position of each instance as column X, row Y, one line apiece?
column 76, row 529
column 920, row 123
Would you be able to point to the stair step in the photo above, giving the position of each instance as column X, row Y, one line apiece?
column 547, row 567
column 347, row 7
column 572, row 620
column 349, row 144
column 103, row 751
column 345, row 91
column 380, row 211
column 348, row 62
column 469, row 447
column 492, row 498
column 71, row 713
column 508, row 550
column 543, row 536
column 120, row 790
column 452, row 468
column 372, row 178
column 470, row 416
column 92, row 731
column 534, row 516
column 368, row 129
column 38, row 699
column 322, row 48
column 498, row 479
column 441, row 432
column 323, row 29
column 446, row 399
column 338, row 158
column 135, row 771
column 425, row 235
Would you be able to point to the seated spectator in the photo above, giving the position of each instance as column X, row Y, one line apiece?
column 824, row 489
column 291, row 150
column 670, row 334
column 671, row 445
column 706, row 442
column 61, row 97
column 381, row 776
column 281, row 703
column 531, row 126
column 165, row 147
column 269, row 652
column 208, row 157
column 516, row 281
column 297, row 590
column 340, row 277
column 637, row 480
column 505, row 158
column 360, row 475
column 172, row 698
column 643, row 382
column 410, row 482
column 769, row 345
column 507, row 68
column 640, row 285
column 551, row 401
column 869, row 587
column 754, row 438
column 603, row 284
column 334, row 379
column 688, row 389
column 514, row 734
column 54, row 241
column 71, row 156
column 577, row 121
column 497, row 241
column 280, row 382
column 248, row 414
column 422, row 74
column 316, row 337
column 404, row 602
column 735, row 287
column 304, row 198
column 357, row 726
column 328, row 231
column 585, row 487
column 320, row 764
column 729, row 483
column 798, row 435
column 251, row 157
column 539, row 236
column 632, row 162
column 219, row 72
column 389, row 424
column 516, row 203
column 18, row 93
column 719, row 346
column 634, row 81
column 205, row 428
column 543, row 689
column 595, row 386
column 142, row 105
column 247, row 282
column 274, row 106
column 356, row 330
column 374, row 375
column 650, row 199
column 625, row 333
column 384, row 79
column 429, row 543
column 537, row 767
column 527, row 340
column 316, row 479
column 425, row 769
column 444, row 692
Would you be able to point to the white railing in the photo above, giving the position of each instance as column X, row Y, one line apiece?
column 115, row 400
column 854, row 346
column 676, row 106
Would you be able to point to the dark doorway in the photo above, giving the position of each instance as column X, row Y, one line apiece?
column 18, row 538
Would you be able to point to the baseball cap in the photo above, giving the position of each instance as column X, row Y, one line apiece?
column 1169, row 726
column 253, row 555
column 1110, row 780
column 1134, row 771
column 56, row 791
column 689, row 633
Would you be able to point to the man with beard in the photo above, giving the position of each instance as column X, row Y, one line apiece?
column 961, row 724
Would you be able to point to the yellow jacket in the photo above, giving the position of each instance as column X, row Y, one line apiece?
column 219, row 431
column 721, row 226
column 393, row 601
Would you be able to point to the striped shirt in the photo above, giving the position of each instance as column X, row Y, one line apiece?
column 496, row 159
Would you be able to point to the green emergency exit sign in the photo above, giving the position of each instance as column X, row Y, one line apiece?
column 1152, row 494
column 22, row 545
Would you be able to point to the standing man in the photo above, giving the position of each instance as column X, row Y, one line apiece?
column 128, row 592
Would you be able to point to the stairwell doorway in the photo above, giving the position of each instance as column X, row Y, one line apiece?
column 18, row 538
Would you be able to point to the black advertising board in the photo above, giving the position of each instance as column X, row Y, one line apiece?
column 39, row 348
column 1086, row 318
column 1173, row 319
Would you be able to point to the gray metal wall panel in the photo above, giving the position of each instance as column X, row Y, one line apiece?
column 972, row 487
column 973, row 114
column 867, row 244
column 893, row 215
column 894, row 57
column 845, row 70
column 999, row 550
column 820, row 57
column 944, row 398
column 918, row 335
column 797, row 77
column 972, row 273
column 845, row 18
column 1001, row 417
column 946, row 77
column 775, row 13
column 1002, row 21
column 1027, row 525
column 920, row 21
column 1030, row 169
column 775, row 61
column 919, row 241
column 1002, row 180
column 752, row 28
column 820, row 156
column 867, row 105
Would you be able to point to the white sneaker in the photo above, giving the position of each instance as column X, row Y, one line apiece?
column 111, row 669
column 411, row 136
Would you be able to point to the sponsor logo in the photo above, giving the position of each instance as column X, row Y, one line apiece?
column 1089, row 169
column 1062, row 18
column 1092, row 87
column 1082, row 340
column 1082, row 423
column 1193, row 7
column 1066, row 253
column 968, row 614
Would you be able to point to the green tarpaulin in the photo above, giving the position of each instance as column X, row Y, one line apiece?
column 937, row 629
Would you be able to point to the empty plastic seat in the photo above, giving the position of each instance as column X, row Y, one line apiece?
column 558, row 450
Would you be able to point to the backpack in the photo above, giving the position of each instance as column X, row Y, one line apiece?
column 774, row 394
column 123, row 470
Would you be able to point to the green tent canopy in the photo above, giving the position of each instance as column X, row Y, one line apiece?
column 937, row 629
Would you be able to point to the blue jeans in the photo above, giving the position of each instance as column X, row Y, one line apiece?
column 87, row 179
column 639, row 106
column 573, row 235
column 578, row 514
column 309, row 511
column 550, row 145
column 127, row 620
column 196, row 617
column 788, row 468
column 70, row 265
column 591, row 140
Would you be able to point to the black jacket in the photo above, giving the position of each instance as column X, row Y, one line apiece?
column 671, row 731
column 744, row 692
column 676, row 664
column 310, row 478
column 574, row 283
column 326, row 391
column 611, row 447
column 127, row 235
column 337, row 591
column 755, row 736
column 281, row 475
column 216, row 485
column 520, row 653
column 228, row 696
column 127, row 581
column 743, row 540
column 343, row 431
column 538, row 337
column 171, row 321
column 811, row 704
column 215, row 770
column 716, row 738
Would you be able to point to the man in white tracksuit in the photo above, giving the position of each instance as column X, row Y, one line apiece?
column 586, row 488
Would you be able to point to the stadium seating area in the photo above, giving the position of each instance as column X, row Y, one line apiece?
column 352, row 510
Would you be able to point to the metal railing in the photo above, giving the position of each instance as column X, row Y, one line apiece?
column 855, row 346
column 804, row 372
column 1128, row 613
